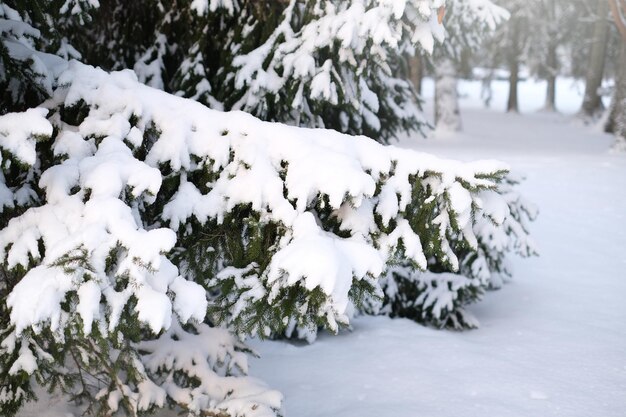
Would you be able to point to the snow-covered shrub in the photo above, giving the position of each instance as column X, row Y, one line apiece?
column 134, row 222
column 144, row 205
column 91, row 304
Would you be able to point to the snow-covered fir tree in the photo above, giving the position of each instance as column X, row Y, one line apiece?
column 336, row 64
column 144, row 235
column 315, row 63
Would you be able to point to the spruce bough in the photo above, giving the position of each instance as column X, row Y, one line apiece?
column 143, row 232
column 153, row 214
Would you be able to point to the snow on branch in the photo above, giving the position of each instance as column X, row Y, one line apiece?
column 155, row 210
column 280, row 172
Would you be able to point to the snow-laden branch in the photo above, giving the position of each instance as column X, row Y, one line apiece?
column 155, row 209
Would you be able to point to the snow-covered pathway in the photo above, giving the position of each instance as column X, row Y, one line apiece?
column 552, row 342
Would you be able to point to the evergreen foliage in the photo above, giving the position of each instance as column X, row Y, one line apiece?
column 439, row 295
column 136, row 223
column 314, row 63
column 140, row 187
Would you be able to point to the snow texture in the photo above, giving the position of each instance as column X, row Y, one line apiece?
column 249, row 155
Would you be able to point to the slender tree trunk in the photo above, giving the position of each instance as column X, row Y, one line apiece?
column 416, row 72
column 592, row 103
column 551, row 77
column 552, row 62
column 616, row 122
column 512, row 57
column 513, row 81
column 447, row 113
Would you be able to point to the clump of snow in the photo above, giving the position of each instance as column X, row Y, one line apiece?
column 19, row 132
column 216, row 359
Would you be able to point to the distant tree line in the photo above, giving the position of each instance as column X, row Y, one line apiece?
column 583, row 39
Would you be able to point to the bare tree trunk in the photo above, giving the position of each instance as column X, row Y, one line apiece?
column 447, row 113
column 513, row 81
column 512, row 58
column 416, row 72
column 616, row 122
column 552, row 62
column 551, row 77
column 592, row 103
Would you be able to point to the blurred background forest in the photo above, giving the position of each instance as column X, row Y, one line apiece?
column 544, row 40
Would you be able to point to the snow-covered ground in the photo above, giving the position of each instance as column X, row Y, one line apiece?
column 551, row 343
